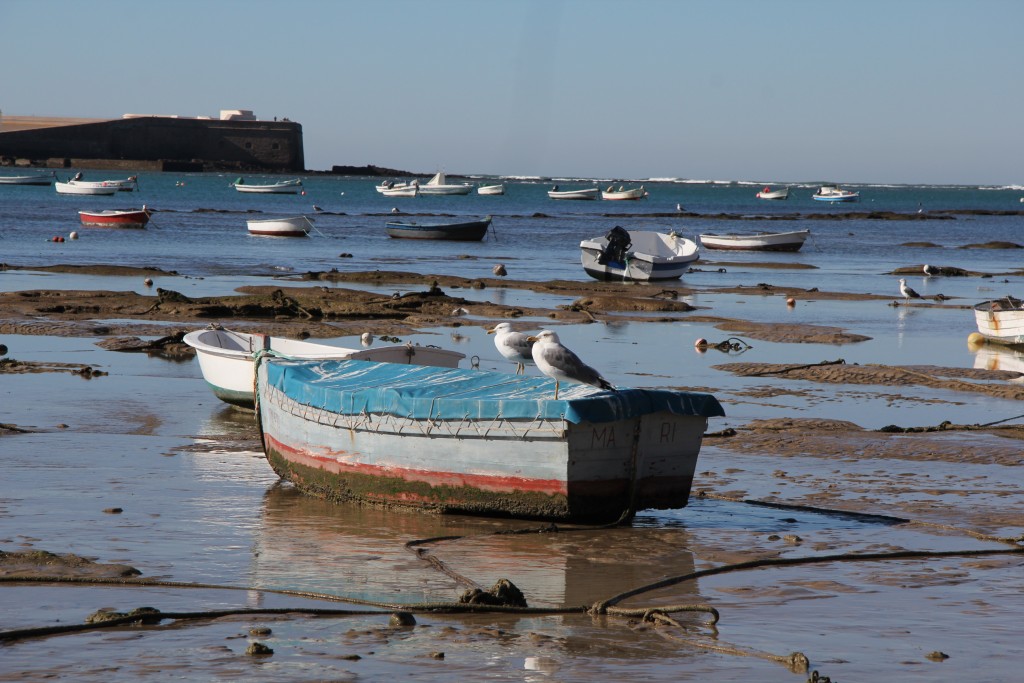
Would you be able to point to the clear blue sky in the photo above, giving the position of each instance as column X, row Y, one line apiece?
column 900, row 91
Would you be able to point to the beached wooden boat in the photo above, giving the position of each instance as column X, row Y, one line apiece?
column 34, row 179
column 491, row 189
column 439, row 185
column 759, row 241
column 769, row 193
column 226, row 358
column 291, row 226
column 1001, row 321
column 637, row 255
column 477, row 442
column 284, row 187
column 463, row 231
column 834, row 193
column 623, row 193
column 78, row 187
column 584, row 194
column 115, row 218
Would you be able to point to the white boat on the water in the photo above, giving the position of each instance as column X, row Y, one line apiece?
column 401, row 191
column 585, row 194
column 291, row 226
column 759, row 241
column 769, row 193
column 226, row 358
column 391, row 185
column 34, row 179
column 439, row 185
column 624, row 193
column 637, row 255
column 1001, row 321
column 293, row 186
column 491, row 189
column 79, row 187
column 834, row 193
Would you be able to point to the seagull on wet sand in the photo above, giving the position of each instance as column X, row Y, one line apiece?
column 559, row 363
column 515, row 346
column 907, row 292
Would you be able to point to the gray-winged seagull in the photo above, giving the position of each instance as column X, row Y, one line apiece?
column 558, row 362
column 907, row 292
column 515, row 346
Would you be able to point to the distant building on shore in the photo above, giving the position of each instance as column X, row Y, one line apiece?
column 237, row 140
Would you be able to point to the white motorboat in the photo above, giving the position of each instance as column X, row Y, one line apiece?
column 585, row 194
column 401, row 191
column 439, row 185
column 834, row 193
column 79, row 187
column 759, row 241
column 624, row 193
column 637, row 255
column 291, row 226
column 769, row 193
column 226, row 358
column 491, row 189
column 284, row 187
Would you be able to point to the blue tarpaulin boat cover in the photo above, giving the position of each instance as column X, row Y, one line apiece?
column 352, row 387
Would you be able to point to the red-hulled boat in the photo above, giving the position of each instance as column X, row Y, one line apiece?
column 116, row 218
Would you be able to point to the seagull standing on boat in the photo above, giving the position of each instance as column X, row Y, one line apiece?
column 514, row 346
column 907, row 292
column 559, row 363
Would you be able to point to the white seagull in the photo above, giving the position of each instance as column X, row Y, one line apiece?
column 907, row 292
column 928, row 270
column 559, row 363
column 515, row 346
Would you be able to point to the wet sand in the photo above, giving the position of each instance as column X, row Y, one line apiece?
column 767, row 490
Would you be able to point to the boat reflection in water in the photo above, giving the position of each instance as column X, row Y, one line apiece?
column 305, row 543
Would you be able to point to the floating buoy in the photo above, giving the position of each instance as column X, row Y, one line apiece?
column 73, row 235
column 366, row 339
column 791, row 302
column 701, row 343
column 974, row 340
column 148, row 282
column 499, row 270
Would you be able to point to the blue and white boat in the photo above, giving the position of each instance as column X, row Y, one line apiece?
column 450, row 440
column 637, row 255
column 834, row 193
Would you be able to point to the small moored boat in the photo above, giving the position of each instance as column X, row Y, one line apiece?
column 624, row 193
column 115, row 218
column 1001, row 321
column 291, row 226
column 834, row 193
column 759, row 241
column 78, row 187
column 491, row 189
column 769, row 193
column 637, row 255
column 226, row 358
column 439, row 185
column 585, row 194
column 284, row 187
column 34, row 179
column 401, row 191
column 464, row 231
column 475, row 442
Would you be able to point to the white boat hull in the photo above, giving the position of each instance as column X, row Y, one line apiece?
column 491, row 189
column 226, row 358
column 294, row 226
column 589, row 194
column 1001, row 321
column 776, row 241
column 79, row 188
column 405, row 191
column 287, row 187
column 621, row 195
column 774, row 194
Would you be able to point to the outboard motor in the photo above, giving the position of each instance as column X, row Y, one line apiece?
column 618, row 244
